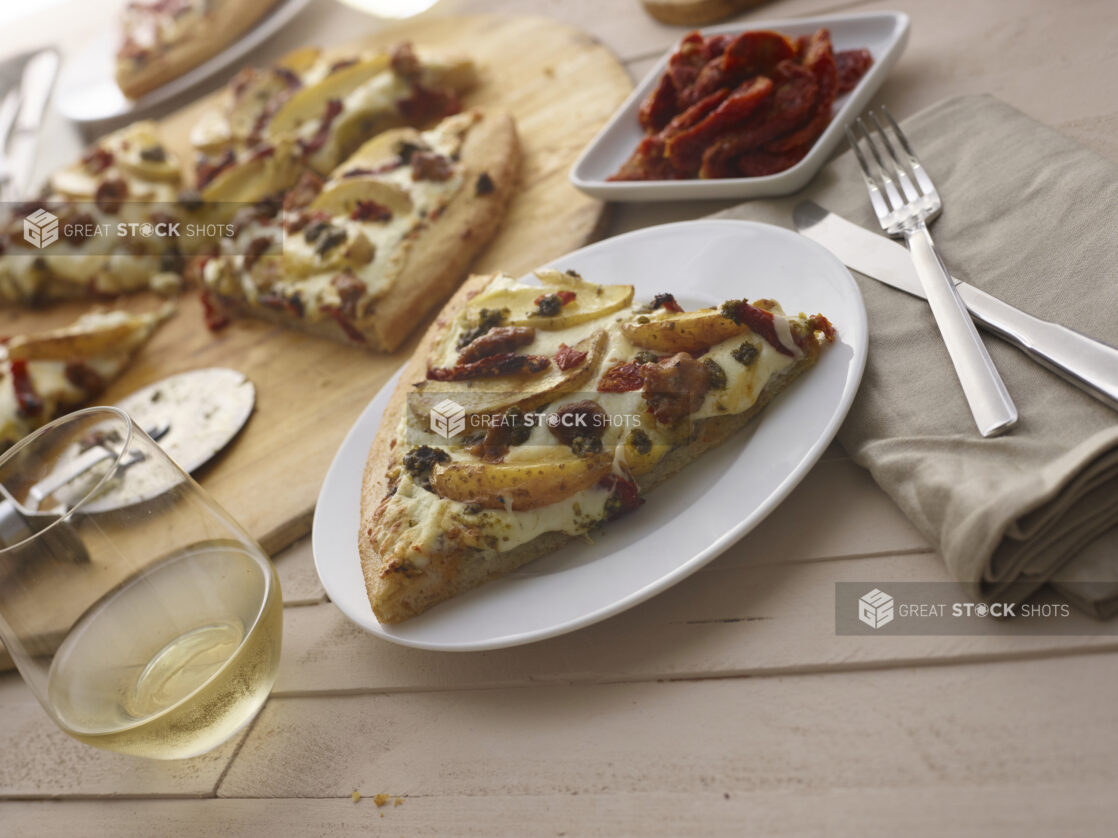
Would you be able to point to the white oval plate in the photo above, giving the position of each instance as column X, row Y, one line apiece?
column 87, row 92
column 696, row 514
column 884, row 34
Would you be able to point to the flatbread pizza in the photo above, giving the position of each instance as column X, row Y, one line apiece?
column 532, row 413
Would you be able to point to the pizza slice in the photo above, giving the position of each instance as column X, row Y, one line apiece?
column 531, row 414
column 366, row 253
column 163, row 39
column 48, row 374
column 107, row 222
column 315, row 110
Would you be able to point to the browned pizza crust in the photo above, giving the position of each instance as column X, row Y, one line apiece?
column 230, row 20
column 441, row 251
column 397, row 594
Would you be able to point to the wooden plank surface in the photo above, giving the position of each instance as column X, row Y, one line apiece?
column 42, row 761
column 644, row 724
column 1026, row 722
column 725, row 621
column 310, row 390
column 960, row 811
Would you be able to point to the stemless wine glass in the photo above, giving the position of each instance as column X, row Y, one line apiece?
column 143, row 617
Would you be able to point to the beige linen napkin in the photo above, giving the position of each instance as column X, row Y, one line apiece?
column 1028, row 217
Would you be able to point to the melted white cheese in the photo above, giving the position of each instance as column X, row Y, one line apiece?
column 578, row 513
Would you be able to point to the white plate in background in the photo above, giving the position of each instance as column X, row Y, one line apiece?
column 884, row 34
column 86, row 90
column 694, row 515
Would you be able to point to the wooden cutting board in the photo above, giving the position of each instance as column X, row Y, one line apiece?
column 561, row 86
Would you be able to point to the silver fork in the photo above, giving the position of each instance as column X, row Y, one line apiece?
column 906, row 216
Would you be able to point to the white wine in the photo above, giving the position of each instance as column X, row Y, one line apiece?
column 175, row 661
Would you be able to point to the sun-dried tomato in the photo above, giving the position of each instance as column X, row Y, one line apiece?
column 562, row 296
column 819, row 323
column 685, row 150
column 209, row 168
column 648, row 162
column 658, row 109
column 490, row 367
column 342, row 320
column 350, row 290
column 851, row 64
column 97, row 159
column 621, row 378
column 688, row 59
column 305, row 190
column 292, row 305
column 370, row 211
column 666, row 302
column 318, row 139
column 746, row 105
column 761, row 322
column 624, row 497
column 756, row 52
column 567, row 358
column 428, row 104
column 694, row 114
column 790, row 103
column 27, row 400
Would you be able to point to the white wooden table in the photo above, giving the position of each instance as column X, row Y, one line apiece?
column 726, row 706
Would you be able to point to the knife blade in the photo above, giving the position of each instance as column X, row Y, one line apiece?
column 1085, row 362
column 35, row 86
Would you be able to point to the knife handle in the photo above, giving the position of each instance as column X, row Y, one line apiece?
column 990, row 405
column 1087, row 363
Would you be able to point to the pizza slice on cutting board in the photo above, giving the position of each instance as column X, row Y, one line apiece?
column 48, row 374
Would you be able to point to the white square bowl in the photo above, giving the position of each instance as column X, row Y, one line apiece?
column 884, row 34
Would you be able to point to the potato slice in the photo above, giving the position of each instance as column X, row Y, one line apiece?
column 139, row 150
column 94, row 333
column 380, row 149
column 301, row 259
column 590, row 303
column 251, row 180
column 309, row 102
column 300, row 60
column 340, row 197
column 249, row 99
column 688, row 331
column 496, row 395
column 519, row 486
column 128, row 148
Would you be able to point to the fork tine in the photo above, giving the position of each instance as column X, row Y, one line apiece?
column 910, row 192
column 918, row 172
column 877, row 199
column 894, row 196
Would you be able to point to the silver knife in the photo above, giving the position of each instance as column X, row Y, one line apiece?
column 1089, row 364
column 35, row 87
